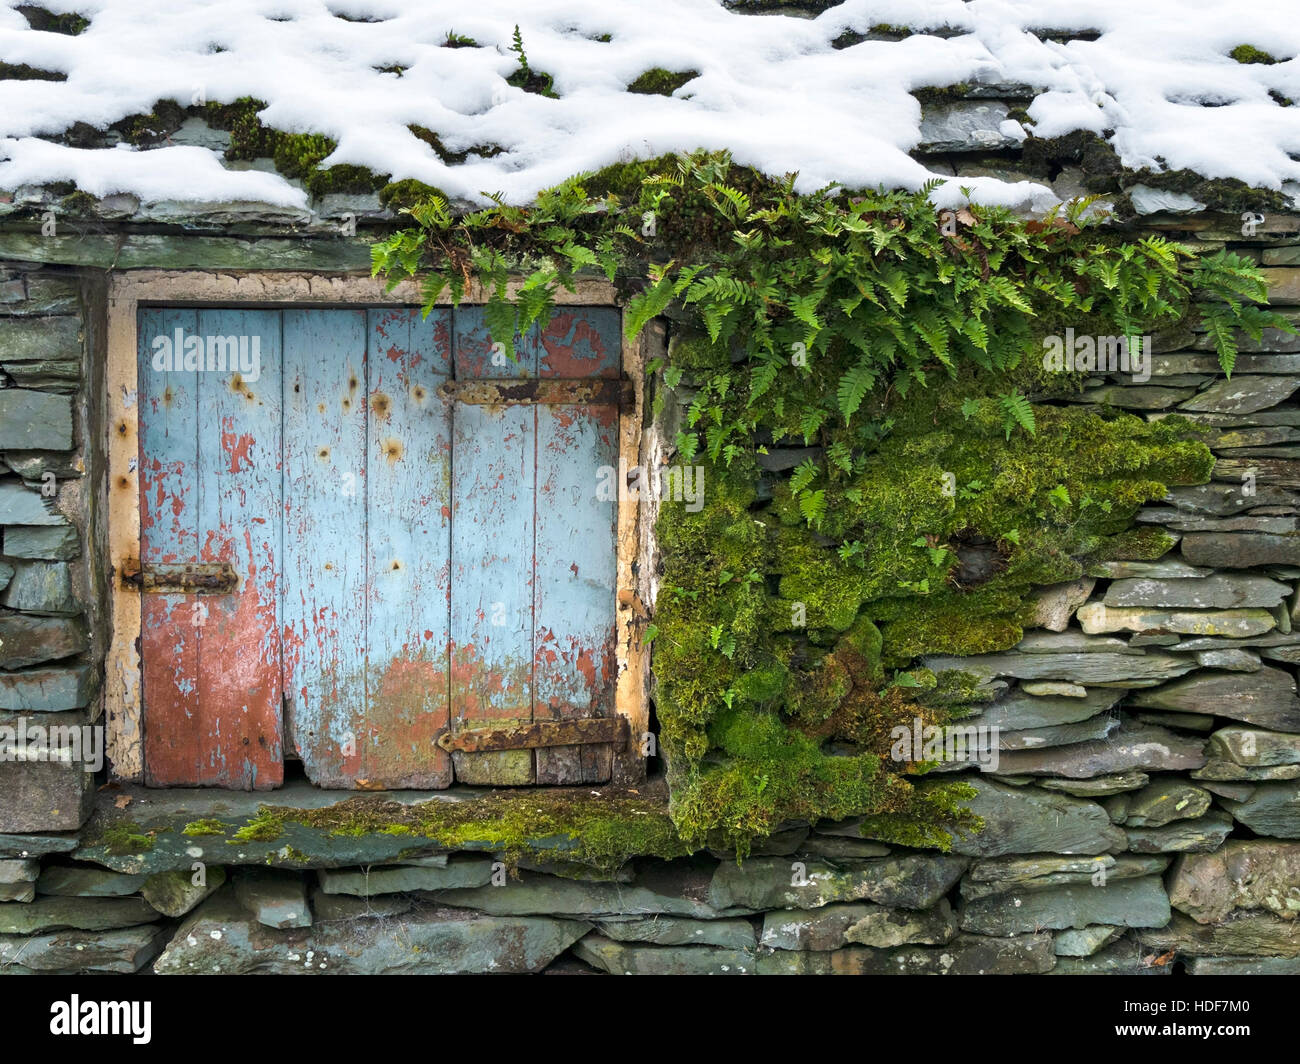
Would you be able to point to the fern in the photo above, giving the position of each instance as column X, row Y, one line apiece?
column 1017, row 411
column 853, row 388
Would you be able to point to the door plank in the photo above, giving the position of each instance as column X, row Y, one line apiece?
column 408, row 492
column 492, row 550
column 575, row 665
column 169, row 532
column 324, row 578
column 241, row 522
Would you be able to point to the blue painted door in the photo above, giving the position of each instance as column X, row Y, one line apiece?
column 407, row 564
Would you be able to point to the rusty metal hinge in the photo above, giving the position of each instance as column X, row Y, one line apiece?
column 531, row 736
column 181, row 578
column 553, row 391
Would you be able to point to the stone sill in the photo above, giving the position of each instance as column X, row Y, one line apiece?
column 366, row 827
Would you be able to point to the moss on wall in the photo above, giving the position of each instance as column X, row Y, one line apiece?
column 778, row 643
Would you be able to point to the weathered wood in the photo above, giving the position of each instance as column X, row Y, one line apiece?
column 492, row 555
column 574, row 594
column 324, row 580
column 241, row 512
column 540, row 392
column 408, row 497
column 169, row 533
column 551, row 737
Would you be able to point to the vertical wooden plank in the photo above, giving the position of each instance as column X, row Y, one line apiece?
column 241, row 522
column 169, row 532
column 575, row 665
column 408, row 493
column 492, row 543
column 323, row 588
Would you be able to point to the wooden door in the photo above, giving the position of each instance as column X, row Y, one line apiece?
column 406, row 565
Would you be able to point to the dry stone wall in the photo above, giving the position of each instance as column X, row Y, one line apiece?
column 1144, row 816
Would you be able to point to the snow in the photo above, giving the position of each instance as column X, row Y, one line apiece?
column 772, row 89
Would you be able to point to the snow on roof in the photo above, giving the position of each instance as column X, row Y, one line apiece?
column 782, row 93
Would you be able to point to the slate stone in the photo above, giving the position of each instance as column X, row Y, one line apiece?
column 1182, row 836
column 1018, row 710
column 1222, row 770
column 1266, row 698
column 1246, row 934
column 913, row 881
column 1165, row 801
column 19, row 870
column 21, row 505
column 1131, row 746
column 1085, row 941
column 1096, row 618
column 220, row 937
column 36, row 845
column 1055, row 605
column 48, row 295
column 1171, row 569
column 335, row 907
column 41, row 587
column 1244, row 874
column 52, row 543
column 23, row 892
column 63, row 377
column 83, row 881
column 965, row 126
column 175, row 893
column 1007, row 875
column 680, row 931
column 1123, row 957
column 964, row 955
column 1243, row 394
column 1243, row 966
column 1229, row 660
column 83, row 914
column 623, row 958
column 1273, row 809
column 1134, row 397
column 34, row 339
column 883, row 928
column 833, row 846
column 1086, row 668
column 463, row 872
column 1120, row 903
column 43, row 796
column 1056, row 688
column 838, row 924
column 33, row 465
column 1028, row 820
column 1096, row 786
column 1268, row 473
column 31, row 420
column 54, row 689
column 1255, row 746
column 1220, row 591
column 274, row 898
column 676, row 892
column 28, row 641
column 122, row 951
column 1239, row 550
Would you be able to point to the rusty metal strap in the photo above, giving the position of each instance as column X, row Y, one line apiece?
column 182, row 578
column 551, row 391
column 532, row 736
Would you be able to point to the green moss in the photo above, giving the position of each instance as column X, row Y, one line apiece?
column 660, row 82
column 602, row 829
column 265, row 827
column 1135, row 545
column 1219, row 193
column 459, row 40
column 23, row 72
column 125, row 837
column 206, row 826
column 70, row 25
column 1248, row 53
column 932, row 95
column 399, row 195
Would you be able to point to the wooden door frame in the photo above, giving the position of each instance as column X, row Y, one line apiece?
column 281, row 290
